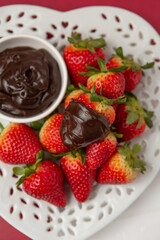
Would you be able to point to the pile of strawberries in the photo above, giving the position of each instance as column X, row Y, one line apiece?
column 107, row 89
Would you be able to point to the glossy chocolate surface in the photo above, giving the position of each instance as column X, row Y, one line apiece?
column 29, row 81
column 82, row 126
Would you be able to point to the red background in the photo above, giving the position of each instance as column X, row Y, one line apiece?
column 148, row 9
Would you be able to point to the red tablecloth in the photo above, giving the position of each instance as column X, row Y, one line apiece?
column 149, row 10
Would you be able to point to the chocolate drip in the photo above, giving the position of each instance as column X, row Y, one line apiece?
column 82, row 126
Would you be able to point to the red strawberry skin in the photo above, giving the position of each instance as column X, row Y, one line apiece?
column 46, row 184
column 50, row 136
column 132, row 79
column 19, row 144
column 116, row 171
column 73, row 95
column 114, row 62
column 112, row 84
column 80, row 177
column 98, row 153
column 77, row 58
column 106, row 110
column 129, row 131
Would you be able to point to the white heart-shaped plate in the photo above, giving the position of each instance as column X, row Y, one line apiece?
column 41, row 220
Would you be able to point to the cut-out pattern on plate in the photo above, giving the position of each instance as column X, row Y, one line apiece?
column 80, row 220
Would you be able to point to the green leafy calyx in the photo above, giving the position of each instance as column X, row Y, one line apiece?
column 71, row 88
column 28, row 169
column 74, row 154
column 119, row 52
column 113, row 131
column 94, row 97
column 131, row 156
column 89, row 44
column 136, row 113
column 102, row 69
column 148, row 65
column 130, row 63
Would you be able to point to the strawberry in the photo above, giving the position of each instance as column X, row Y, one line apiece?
column 81, row 52
column 43, row 180
column 131, row 118
column 49, row 135
column 107, row 110
column 18, row 144
column 87, row 119
column 122, row 167
column 79, row 176
column 98, row 153
column 108, row 82
column 133, row 74
column 72, row 95
column 99, row 103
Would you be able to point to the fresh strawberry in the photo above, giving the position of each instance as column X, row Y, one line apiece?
column 18, row 144
column 43, row 180
column 81, row 52
column 109, row 83
column 122, row 167
column 131, row 118
column 133, row 74
column 79, row 176
column 50, row 137
column 99, row 152
column 72, row 95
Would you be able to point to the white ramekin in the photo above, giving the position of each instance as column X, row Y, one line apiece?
column 37, row 43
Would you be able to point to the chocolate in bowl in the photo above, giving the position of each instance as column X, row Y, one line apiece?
column 29, row 80
column 34, row 96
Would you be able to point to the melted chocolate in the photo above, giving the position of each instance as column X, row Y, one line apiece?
column 82, row 126
column 29, row 81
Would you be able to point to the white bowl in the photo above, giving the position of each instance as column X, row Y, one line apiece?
column 36, row 43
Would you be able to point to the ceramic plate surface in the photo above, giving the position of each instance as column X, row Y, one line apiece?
column 41, row 220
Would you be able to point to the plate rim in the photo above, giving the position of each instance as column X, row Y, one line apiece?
column 12, row 221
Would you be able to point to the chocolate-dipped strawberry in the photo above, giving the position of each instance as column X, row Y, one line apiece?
column 82, row 126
